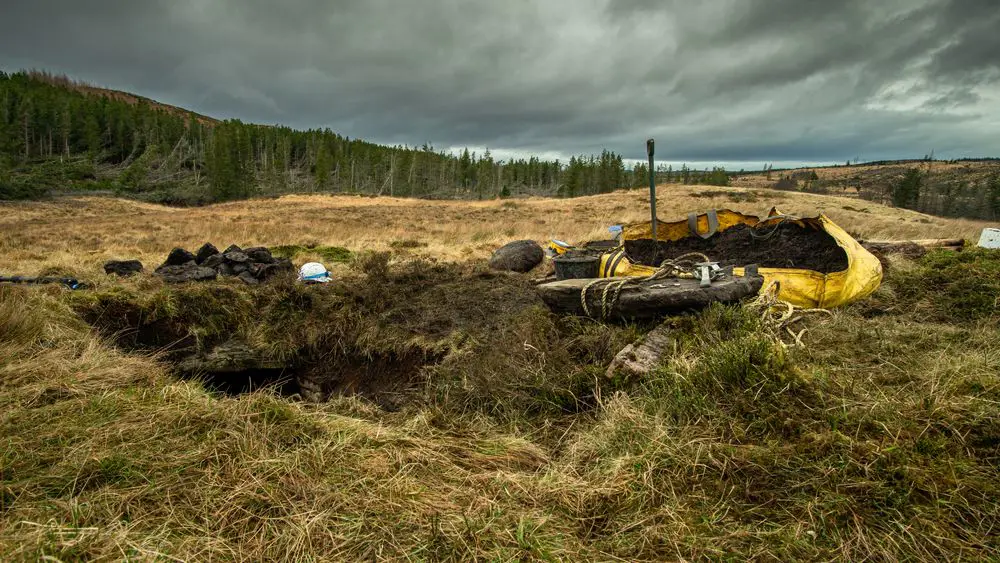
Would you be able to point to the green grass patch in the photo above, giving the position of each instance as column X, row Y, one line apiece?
column 330, row 254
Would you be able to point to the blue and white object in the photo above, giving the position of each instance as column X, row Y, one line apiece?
column 314, row 272
column 616, row 231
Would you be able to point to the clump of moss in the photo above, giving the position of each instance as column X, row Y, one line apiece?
column 947, row 286
column 331, row 254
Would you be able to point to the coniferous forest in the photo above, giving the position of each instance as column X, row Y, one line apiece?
column 58, row 136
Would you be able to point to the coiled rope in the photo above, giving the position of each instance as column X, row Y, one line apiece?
column 671, row 268
column 777, row 315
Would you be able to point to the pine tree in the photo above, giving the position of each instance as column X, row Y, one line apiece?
column 906, row 192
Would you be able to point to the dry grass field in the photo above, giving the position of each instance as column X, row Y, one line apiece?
column 79, row 234
column 876, row 440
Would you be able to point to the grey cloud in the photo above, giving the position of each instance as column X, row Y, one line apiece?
column 715, row 80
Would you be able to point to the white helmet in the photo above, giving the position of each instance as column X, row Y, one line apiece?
column 314, row 272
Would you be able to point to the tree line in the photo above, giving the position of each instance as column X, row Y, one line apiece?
column 56, row 133
column 976, row 197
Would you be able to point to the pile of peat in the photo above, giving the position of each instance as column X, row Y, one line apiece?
column 786, row 246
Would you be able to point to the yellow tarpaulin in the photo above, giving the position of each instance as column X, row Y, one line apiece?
column 802, row 288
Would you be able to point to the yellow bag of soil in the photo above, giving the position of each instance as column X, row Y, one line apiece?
column 800, row 287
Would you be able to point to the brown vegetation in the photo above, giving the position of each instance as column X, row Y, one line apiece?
column 79, row 234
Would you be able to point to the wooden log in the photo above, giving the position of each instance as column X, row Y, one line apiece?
column 912, row 248
column 646, row 299
column 925, row 242
column 644, row 356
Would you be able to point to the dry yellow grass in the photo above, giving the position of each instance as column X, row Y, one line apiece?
column 79, row 234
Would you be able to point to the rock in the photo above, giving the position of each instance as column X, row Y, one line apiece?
column 232, row 248
column 239, row 267
column 260, row 255
column 518, row 256
column 249, row 278
column 122, row 268
column 206, row 251
column 185, row 273
column 214, row 261
column 235, row 256
column 179, row 256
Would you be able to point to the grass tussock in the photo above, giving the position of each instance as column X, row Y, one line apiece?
column 877, row 440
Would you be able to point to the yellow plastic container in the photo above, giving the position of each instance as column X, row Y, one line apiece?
column 800, row 287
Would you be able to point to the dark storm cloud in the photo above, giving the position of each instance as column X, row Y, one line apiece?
column 719, row 80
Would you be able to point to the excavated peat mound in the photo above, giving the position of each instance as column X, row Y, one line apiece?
column 786, row 246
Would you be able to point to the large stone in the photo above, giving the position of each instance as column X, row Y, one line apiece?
column 206, row 251
column 260, row 255
column 517, row 256
column 232, row 248
column 240, row 267
column 123, row 268
column 178, row 256
column 185, row 273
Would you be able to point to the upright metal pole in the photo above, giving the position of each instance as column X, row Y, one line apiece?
column 652, row 186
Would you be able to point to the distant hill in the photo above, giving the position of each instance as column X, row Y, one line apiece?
column 950, row 188
column 63, row 81
column 58, row 135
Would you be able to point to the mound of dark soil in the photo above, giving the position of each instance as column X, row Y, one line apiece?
column 787, row 246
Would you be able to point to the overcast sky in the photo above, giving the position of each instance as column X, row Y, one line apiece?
column 736, row 81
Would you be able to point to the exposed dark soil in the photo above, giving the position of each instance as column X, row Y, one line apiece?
column 233, row 383
column 371, row 334
column 790, row 246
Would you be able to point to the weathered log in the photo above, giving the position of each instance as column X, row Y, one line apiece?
column 925, row 242
column 644, row 356
column 229, row 357
column 906, row 246
column 646, row 299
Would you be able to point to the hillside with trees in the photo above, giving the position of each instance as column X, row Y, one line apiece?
column 968, row 188
column 57, row 135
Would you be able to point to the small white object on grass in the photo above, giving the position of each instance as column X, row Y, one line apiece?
column 990, row 238
column 314, row 272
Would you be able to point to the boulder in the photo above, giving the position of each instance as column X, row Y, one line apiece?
column 232, row 248
column 185, row 273
column 122, row 268
column 518, row 256
column 260, row 255
column 206, row 251
column 239, row 267
column 179, row 256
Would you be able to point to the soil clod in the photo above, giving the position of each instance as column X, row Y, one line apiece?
column 518, row 256
column 123, row 268
column 178, row 256
column 206, row 251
